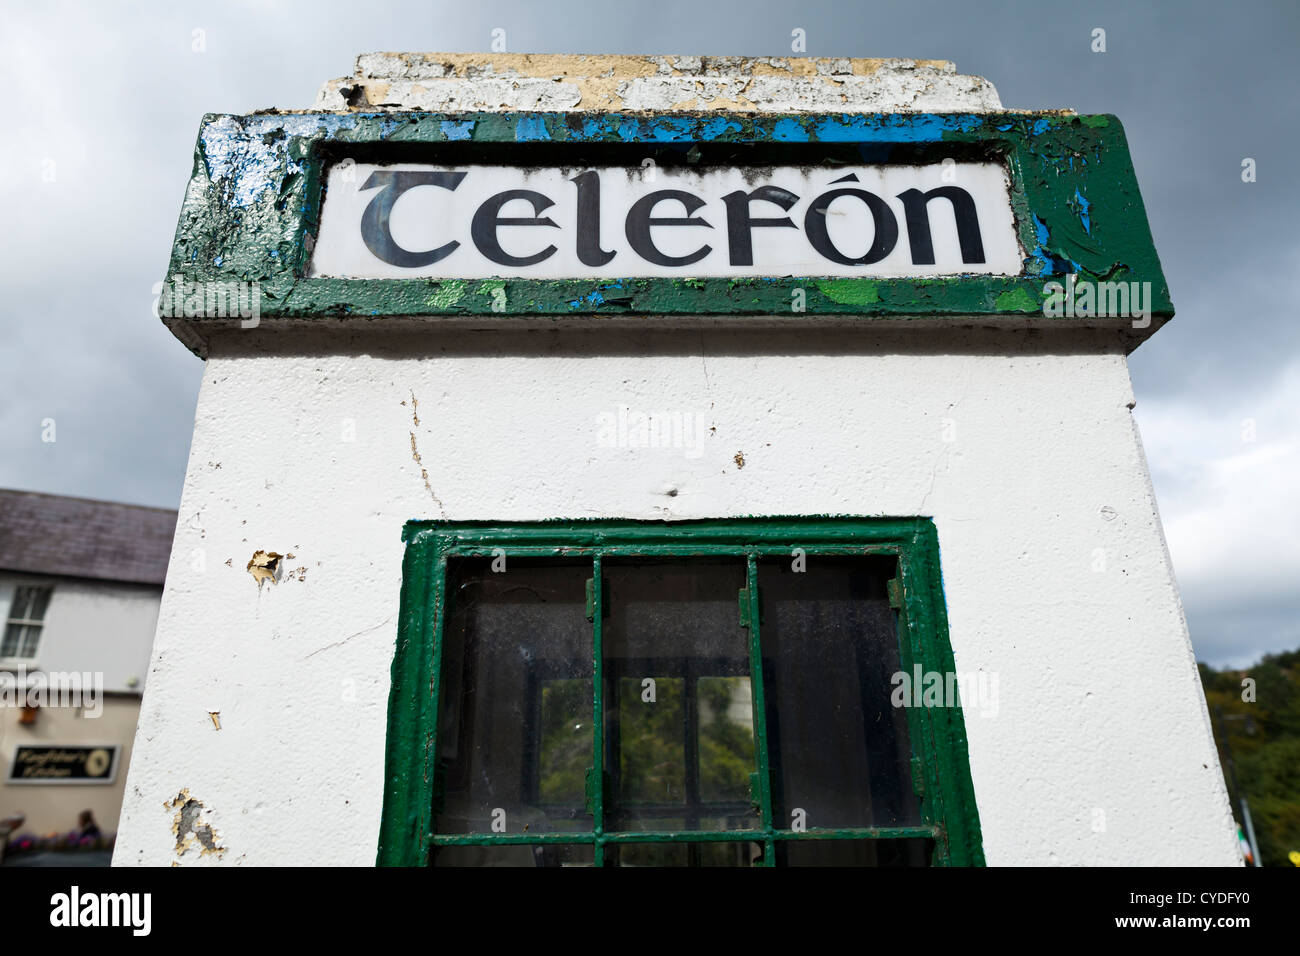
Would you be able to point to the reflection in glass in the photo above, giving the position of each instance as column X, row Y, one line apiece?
column 652, row 751
column 726, row 738
column 515, row 708
column 679, row 714
column 839, row 750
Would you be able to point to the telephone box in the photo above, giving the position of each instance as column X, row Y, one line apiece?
column 610, row 460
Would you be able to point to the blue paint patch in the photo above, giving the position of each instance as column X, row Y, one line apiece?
column 628, row 129
column 1046, row 262
column 594, row 128
column 1084, row 216
column 531, row 129
column 457, row 130
column 1040, row 126
column 671, row 129
column 593, row 299
column 714, row 128
column 249, row 152
column 789, row 131
column 893, row 128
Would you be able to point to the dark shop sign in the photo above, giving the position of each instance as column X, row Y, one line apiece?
column 64, row 764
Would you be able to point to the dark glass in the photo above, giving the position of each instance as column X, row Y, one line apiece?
column 678, row 717
column 548, row 854
column 515, row 709
column 718, row 853
column 839, row 751
column 854, row 852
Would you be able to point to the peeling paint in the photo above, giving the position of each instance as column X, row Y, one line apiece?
column 265, row 566
column 190, row 829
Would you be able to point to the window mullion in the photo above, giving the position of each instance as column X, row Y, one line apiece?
column 760, row 708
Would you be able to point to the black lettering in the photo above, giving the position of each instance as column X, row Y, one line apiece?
column 739, row 222
column 589, row 251
column 639, row 221
column 375, row 228
column 487, row 218
column 882, row 244
column 917, row 215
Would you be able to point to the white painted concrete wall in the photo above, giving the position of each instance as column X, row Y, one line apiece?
column 1099, row 709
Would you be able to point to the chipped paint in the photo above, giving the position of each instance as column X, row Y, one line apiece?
column 190, row 828
column 850, row 291
column 597, row 83
column 264, row 566
column 251, row 210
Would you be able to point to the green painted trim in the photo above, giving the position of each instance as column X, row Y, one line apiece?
column 758, row 694
column 938, row 734
column 598, row 706
column 252, row 208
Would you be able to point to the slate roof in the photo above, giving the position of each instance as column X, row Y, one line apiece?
column 80, row 537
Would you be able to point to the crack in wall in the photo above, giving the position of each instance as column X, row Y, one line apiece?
column 415, row 456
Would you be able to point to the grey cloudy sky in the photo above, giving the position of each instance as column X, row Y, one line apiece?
column 105, row 100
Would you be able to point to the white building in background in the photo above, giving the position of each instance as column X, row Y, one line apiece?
column 523, row 455
column 80, row 585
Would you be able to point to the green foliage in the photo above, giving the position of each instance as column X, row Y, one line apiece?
column 566, row 742
column 652, row 750
column 1263, row 740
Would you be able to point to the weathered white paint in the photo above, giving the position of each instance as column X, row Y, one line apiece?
column 1100, row 708
column 431, row 217
column 455, row 82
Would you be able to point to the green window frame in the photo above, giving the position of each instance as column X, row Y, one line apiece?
column 940, row 764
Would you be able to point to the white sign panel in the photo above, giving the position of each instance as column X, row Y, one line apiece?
column 410, row 220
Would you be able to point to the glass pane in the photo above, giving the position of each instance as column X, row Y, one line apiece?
column 678, row 713
column 839, row 751
column 29, row 604
column 515, row 730
column 30, row 637
column 12, row 638
column 40, row 601
column 721, row 853
column 726, row 738
column 652, row 736
column 854, row 852
column 565, row 749
column 554, row 854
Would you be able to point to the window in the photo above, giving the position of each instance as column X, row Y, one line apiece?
column 23, row 626
column 695, row 693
